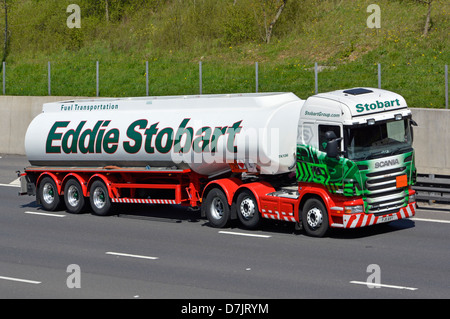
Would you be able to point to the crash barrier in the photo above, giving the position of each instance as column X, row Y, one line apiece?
column 433, row 188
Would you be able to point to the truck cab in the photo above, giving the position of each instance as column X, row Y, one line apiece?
column 357, row 144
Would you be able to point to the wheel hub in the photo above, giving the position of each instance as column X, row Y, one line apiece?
column 247, row 208
column 314, row 217
column 217, row 208
column 48, row 194
column 73, row 196
column 99, row 198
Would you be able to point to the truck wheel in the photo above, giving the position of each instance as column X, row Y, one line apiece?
column 315, row 218
column 48, row 194
column 99, row 199
column 247, row 210
column 217, row 208
column 73, row 197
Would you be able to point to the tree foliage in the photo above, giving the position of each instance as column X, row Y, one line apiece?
column 40, row 25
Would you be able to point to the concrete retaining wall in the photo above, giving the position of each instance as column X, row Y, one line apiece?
column 16, row 113
column 431, row 137
column 432, row 140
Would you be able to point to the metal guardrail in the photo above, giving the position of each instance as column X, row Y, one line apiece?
column 432, row 188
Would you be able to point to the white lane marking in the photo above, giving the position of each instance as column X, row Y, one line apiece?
column 21, row 280
column 14, row 183
column 431, row 220
column 370, row 284
column 10, row 185
column 243, row 234
column 45, row 214
column 130, row 255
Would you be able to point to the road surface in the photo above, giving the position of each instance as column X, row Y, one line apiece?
column 151, row 251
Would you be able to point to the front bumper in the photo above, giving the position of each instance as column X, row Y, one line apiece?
column 363, row 219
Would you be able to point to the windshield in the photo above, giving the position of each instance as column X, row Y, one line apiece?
column 378, row 140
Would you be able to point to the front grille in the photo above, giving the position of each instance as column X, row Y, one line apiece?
column 383, row 196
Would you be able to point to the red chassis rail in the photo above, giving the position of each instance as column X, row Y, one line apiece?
column 128, row 185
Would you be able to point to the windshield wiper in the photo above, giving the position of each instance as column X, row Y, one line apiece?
column 376, row 155
column 402, row 150
column 388, row 152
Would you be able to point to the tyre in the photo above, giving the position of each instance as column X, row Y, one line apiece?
column 247, row 210
column 99, row 199
column 217, row 208
column 315, row 218
column 73, row 197
column 48, row 195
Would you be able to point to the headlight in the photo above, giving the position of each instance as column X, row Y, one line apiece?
column 354, row 209
column 412, row 198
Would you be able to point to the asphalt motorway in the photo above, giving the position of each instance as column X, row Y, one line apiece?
column 168, row 252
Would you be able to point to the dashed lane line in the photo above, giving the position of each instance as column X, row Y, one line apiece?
column 130, row 255
column 431, row 220
column 374, row 285
column 27, row 281
column 243, row 234
column 44, row 214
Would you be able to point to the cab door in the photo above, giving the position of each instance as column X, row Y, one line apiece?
column 331, row 168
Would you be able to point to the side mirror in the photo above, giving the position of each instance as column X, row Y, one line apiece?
column 332, row 147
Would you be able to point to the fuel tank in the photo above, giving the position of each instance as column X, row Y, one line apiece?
column 210, row 134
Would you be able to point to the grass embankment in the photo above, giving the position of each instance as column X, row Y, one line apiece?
column 174, row 36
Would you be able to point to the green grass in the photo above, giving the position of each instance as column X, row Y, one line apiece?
column 174, row 39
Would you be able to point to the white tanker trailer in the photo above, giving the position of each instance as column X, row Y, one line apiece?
column 204, row 133
column 339, row 159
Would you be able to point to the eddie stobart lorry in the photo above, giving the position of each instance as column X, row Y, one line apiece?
column 342, row 159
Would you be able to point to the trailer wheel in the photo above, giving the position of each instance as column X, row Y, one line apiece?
column 247, row 210
column 48, row 194
column 217, row 208
column 73, row 197
column 99, row 199
column 315, row 218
